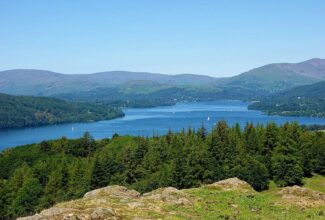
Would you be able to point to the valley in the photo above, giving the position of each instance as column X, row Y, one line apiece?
column 162, row 110
column 153, row 121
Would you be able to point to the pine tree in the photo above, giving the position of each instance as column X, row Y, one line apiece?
column 318, row 153
column 270, row 142
column 286, row 170
column 27, row 198
column 79, row 179
column 286, row 162
column 4, row 199
column 251, row 139
column 219, row 150
column 202, row 133
column 98, row 177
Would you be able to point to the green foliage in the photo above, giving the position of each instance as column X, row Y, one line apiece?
column 287, row 157
column 27, row 111
column 286, row 170
column 27, row 198
column 65, row 169
column 253, row 172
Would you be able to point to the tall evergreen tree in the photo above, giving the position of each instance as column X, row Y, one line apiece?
column 27, row 198
column 270, row 142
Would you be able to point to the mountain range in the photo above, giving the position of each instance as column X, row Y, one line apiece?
column 42, row 82
column 267, row 79
column 141, row 89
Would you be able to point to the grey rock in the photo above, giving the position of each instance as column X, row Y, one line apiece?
column 113, row 192
column 101, row 213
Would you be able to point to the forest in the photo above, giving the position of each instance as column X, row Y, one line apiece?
column 36, row 176
column 28, row 111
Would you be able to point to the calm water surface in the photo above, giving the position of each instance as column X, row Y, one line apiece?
column 149, row 121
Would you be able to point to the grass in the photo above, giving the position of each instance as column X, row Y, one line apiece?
column 317, row 182
column 218, row 204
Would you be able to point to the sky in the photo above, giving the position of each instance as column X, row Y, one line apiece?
column 211, row 37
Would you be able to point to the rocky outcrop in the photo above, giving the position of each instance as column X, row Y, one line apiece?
column 169, row 195
column 113, row 192
column 232, row 184
column 118, row 202
column 115, row 202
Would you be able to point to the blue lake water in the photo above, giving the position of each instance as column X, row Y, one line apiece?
column 149, row 121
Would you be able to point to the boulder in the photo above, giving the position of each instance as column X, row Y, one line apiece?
column 169, row 195
column 120, row 192
column 57, row 211
column 102, row 213
column 232, row 184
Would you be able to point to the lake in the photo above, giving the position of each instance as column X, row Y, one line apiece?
column 149, row 121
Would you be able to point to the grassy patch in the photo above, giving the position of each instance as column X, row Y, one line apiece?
column 317, row 182
column 218, row 204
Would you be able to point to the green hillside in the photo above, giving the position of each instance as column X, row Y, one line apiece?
column 306, row 100
column 273, row 78
column 138, row 86
column 26, row 111
column 47, row 83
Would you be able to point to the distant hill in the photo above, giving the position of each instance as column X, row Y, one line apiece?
column 147, row 96
column 277, row 77
column 308, row 100
column 26, row 111
column 45, row 83
column 261, row 81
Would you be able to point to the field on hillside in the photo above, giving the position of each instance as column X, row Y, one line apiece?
column 269, row 204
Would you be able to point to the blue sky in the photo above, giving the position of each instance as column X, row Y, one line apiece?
column 220, row 38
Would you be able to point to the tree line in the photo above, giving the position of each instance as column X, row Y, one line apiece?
column 27, row 111
column 37, row 176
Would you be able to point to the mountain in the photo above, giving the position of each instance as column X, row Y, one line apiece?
column 277, row 77
column 308, row 100
column 40, row 82
column 230, row 198
column 26, row 111
column 261, row 81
